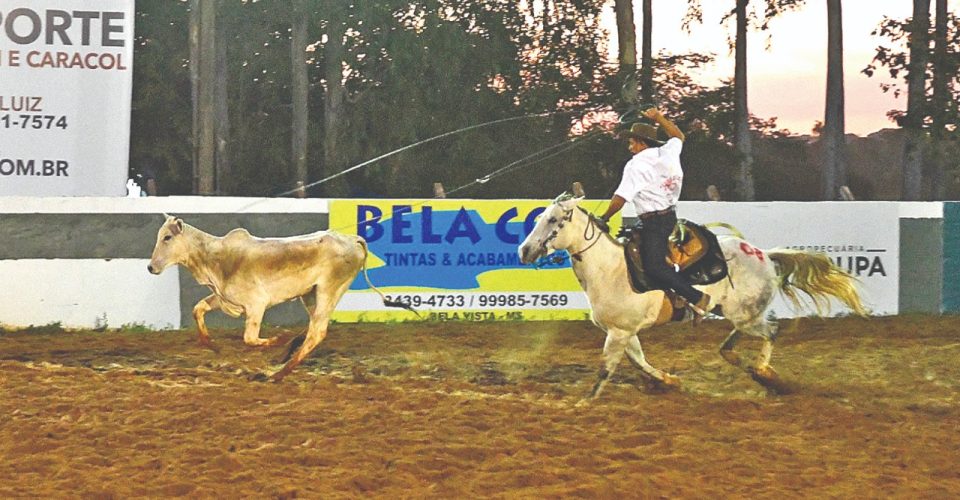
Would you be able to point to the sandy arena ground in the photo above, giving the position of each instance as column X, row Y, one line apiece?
column 461, row 410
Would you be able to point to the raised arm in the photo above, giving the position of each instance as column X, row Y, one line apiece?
column 668, row 126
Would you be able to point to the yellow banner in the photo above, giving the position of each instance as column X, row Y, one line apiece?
column 455, row 260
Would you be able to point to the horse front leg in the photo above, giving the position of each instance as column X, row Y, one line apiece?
column 660, row 378
column 613, row 348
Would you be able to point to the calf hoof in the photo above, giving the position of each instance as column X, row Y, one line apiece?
column 263, row 342
column 258, row 377
column 271, row 341
column 209, row 345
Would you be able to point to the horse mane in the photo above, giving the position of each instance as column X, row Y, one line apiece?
column 564, row 196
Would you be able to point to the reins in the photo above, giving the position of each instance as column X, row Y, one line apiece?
column 592, row 227
column 588, row 233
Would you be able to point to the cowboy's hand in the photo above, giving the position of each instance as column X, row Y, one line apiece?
column 602, row 224
column 652, row 113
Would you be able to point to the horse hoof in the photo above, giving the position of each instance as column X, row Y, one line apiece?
column 770, row 379
column 258, row 377
column 666, row 384
column 765, row 373
column 583, row 403
column 260, row 343
column 671, row 381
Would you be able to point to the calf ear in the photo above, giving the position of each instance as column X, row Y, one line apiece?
column 177, row 226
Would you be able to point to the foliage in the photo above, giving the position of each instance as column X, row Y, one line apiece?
column 412, row 70
column 893, row 55
column 416, row 69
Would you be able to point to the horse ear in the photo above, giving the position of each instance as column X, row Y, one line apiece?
column 578, row 190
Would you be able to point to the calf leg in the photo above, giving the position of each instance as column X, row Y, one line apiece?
column 251, row 329
column 209, row 303
column 317, row 330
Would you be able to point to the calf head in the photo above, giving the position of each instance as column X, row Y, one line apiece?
column 171, row 247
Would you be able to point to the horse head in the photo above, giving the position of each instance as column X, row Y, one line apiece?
column 553, row 230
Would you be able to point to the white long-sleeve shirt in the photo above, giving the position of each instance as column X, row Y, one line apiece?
column 652, row 178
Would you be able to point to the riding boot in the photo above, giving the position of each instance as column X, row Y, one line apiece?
column 700, row 309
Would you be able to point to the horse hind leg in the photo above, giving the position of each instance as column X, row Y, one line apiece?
column 762, row 372
column 727, row 352
column 659, row 378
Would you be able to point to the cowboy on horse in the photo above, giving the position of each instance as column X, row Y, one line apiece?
column 651, row 181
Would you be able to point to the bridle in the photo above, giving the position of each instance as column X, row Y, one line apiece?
column 589, row 231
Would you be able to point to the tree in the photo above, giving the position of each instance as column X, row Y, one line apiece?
column 627, row 50
column 745, row 186
column 742, row 139
column 161, row 122
column 916, row 96
column 942, row 75
column 834, row 144
column 937, row 107
column 300, row 90
column 648, row 91
column 203, row 70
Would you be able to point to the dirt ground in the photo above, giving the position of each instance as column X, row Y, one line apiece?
column 482, row 410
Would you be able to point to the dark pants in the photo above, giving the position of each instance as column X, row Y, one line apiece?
column 654, row 233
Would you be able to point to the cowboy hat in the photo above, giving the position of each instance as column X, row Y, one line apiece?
column 643, row 132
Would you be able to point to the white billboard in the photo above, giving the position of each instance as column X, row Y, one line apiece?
column 66, row 74
column 862, row 238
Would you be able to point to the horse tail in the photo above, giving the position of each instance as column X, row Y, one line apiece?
column 387, row 302
column 818, row 277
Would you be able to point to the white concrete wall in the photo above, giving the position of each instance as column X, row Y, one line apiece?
column 87, row 293
column 83, row 293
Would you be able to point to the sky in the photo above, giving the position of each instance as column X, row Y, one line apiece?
column 786, row 80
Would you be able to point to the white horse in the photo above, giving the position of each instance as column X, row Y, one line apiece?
column 599, row 264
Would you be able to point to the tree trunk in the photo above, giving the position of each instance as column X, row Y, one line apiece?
column 194, row 38
column 627, row 47
column 204, row 134
column 333, row 102
column 646, row 55
column 742, row 139
column 916, row 93
column 941, row 96
column 834, row 144
column 222, row 118
column 300, row 91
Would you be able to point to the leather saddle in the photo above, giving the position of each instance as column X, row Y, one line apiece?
column 693, row 249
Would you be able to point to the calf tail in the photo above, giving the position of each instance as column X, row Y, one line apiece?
column 818, row 277
column 387, row 302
